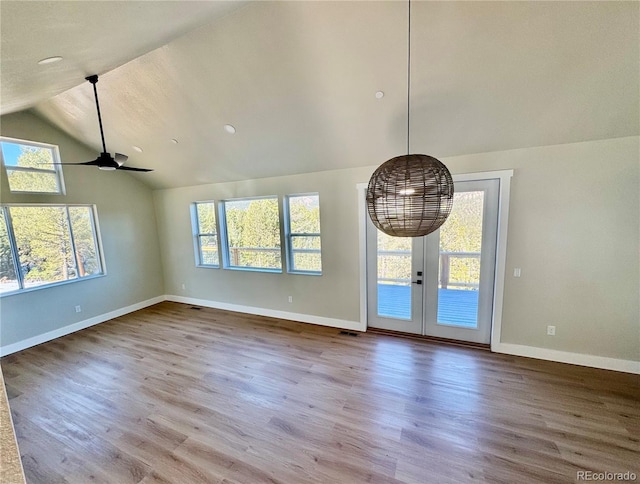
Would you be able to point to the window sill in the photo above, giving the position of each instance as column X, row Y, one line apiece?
column 253, row 269
column 47, row 286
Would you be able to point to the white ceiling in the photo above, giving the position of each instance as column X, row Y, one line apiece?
column 92, row 36
column 297, row 80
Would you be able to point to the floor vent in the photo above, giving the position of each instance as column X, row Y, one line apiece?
column 348, row 333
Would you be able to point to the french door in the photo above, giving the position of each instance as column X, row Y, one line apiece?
column 442, row 284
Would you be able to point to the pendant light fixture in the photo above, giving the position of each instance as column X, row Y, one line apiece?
column 410, row 195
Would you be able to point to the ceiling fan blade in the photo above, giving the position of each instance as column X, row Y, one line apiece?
column 120, row 159
column 89, row 163
column 130, row 168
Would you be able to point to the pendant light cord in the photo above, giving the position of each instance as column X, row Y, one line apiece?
column 409, row 79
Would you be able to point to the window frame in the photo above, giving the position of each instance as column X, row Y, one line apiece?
column 224, row 235
column 290, row 235
column 95, row 228
column 195, row 224
column 57, row 170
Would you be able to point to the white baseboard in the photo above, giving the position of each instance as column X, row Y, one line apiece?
column 72, row 328
column 272, row 313
column 626, row 366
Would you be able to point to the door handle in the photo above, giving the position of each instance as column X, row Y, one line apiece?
column 419, row 281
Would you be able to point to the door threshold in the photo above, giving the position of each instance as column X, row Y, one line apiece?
column 433, row 339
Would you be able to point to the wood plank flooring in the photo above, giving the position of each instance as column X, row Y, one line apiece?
column 171, row 394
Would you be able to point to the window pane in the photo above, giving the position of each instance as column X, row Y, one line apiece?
column 87, row 260
column 394, row 276
column 308, row 262
column 306, row 252
column 459, row 274
column 25, row 163
column 44, row 244
column 304, row 214
column 206, row 218
column 304, row 218
column 253, row 233
column 206, row 234
column 8, row 279
column 209, row 250
column 32, row 181
column 305, row 242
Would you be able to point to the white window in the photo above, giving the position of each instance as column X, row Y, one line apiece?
column 250, row 230
column 31, row 166
column 43, row 245
column 206, row 234
column 302, row 228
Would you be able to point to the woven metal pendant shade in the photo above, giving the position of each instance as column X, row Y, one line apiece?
column 410, row 195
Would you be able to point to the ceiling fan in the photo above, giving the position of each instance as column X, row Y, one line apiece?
column 105, row 161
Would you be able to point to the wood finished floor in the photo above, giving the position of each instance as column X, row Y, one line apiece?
column 171, row 394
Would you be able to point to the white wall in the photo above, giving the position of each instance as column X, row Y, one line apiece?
column 333, row 295
column 574, row 230
column 129, row 239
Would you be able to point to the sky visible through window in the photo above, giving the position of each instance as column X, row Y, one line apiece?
column 11, row 152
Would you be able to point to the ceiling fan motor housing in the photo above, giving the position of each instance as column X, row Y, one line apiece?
column 106, row 162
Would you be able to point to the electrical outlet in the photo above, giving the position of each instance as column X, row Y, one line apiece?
column 78, row 309
column 516, row 272
column 290, row 299
column 184, row 286
column 551, row 330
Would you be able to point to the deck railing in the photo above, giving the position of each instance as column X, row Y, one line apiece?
column 445, row 268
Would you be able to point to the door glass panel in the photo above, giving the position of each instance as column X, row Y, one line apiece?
column 394, row 276
column 459, row 271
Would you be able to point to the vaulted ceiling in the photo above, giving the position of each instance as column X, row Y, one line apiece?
column 298, row 79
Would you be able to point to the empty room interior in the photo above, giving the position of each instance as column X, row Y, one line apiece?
column 324, row 242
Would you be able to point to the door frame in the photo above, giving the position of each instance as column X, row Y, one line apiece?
column 504, row 191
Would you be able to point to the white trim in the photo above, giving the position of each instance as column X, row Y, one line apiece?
column 272, row 313
column 627, row 366
column 501, row 252
column 483, row 175
column 50, row 284
column 362, row 256
column 72, row 328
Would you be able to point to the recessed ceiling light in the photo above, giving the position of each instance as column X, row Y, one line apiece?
column 138, row 149
column 229, row 129
column 50, row 60
column 379, row 95
column 174, row 141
